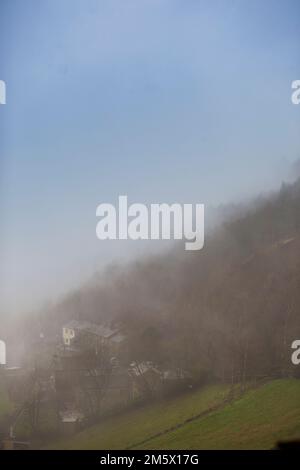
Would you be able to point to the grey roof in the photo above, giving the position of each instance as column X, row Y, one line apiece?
column 142, row 368
column 71, row 416
column 93, row 328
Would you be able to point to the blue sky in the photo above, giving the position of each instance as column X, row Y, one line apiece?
column 162, row 100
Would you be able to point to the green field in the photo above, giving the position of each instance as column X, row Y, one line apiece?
column 256, row 420
column 134, row 426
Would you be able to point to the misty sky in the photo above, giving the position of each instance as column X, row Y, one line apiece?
column 161, row 100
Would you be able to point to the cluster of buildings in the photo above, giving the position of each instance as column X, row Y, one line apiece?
column 87, row 374
column 91, row 376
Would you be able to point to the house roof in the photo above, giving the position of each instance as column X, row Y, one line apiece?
column 71, row 416
column 142, row 368
column 100, row 330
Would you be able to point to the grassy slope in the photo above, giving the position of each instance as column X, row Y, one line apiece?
column 256, row 421
column 134, row 426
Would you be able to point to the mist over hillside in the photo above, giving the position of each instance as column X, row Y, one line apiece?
column 228, row 310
